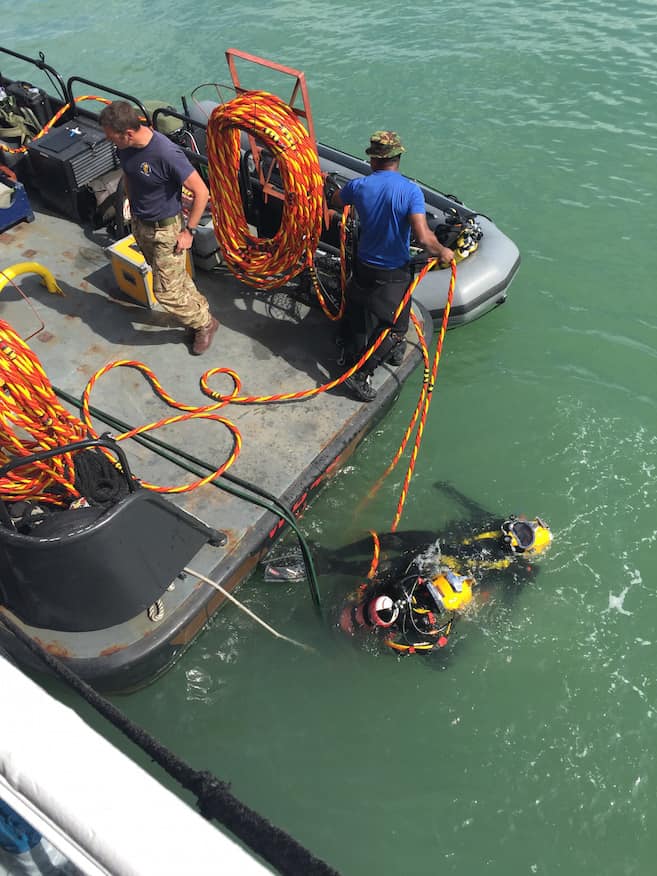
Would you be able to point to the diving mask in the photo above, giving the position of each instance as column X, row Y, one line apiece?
column 526, row 536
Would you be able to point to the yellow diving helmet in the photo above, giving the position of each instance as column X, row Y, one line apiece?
column 450, row 591
column 526, row 536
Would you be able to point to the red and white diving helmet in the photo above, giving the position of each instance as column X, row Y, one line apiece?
column 382, row 611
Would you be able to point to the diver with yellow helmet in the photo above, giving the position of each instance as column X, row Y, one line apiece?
column 413, row 610
column 423, row 582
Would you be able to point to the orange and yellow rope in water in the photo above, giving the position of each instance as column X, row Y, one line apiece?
column 419, row 414
column 424, row 402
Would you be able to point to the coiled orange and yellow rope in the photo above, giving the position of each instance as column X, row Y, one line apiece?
column 32, row 419
column 265, row 263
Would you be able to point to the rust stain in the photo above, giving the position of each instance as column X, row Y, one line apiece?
column 113, row 649
column 84, row 285
column 45, row 336
column 68, row 255
column 54, row 648
column 29, row 253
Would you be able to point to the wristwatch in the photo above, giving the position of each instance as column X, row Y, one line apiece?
column 192, row 231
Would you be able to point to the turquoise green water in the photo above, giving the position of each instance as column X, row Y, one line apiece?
column 531, row 752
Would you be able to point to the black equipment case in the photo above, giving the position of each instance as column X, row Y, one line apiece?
column 65, row 160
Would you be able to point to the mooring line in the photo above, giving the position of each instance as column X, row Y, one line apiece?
column 248, row 611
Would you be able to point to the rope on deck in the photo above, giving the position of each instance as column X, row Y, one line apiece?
column 30, row 410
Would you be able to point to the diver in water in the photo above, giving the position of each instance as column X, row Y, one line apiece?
column 423, row 582
column 413, row 607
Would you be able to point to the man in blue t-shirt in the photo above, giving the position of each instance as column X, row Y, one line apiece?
column 389, row 207
column 155, row 170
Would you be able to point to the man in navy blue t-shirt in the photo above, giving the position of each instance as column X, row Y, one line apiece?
column 155, row 170
column 389, row 207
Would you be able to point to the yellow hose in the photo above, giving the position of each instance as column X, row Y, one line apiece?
column 10, row 273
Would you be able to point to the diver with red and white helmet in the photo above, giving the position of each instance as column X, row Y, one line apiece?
column 414, row 610
column 424, row 581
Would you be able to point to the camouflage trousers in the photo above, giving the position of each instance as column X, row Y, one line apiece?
column 172, row 285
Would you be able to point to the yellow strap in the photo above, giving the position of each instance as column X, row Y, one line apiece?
column 494, row 534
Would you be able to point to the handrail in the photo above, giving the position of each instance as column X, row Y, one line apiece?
column 97, row 85
column 40, row 63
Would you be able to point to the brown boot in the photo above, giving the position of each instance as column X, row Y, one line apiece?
column 203, row 337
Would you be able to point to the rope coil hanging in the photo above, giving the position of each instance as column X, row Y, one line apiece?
column 265, row 263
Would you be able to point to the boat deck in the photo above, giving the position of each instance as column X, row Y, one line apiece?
column 274, row 343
